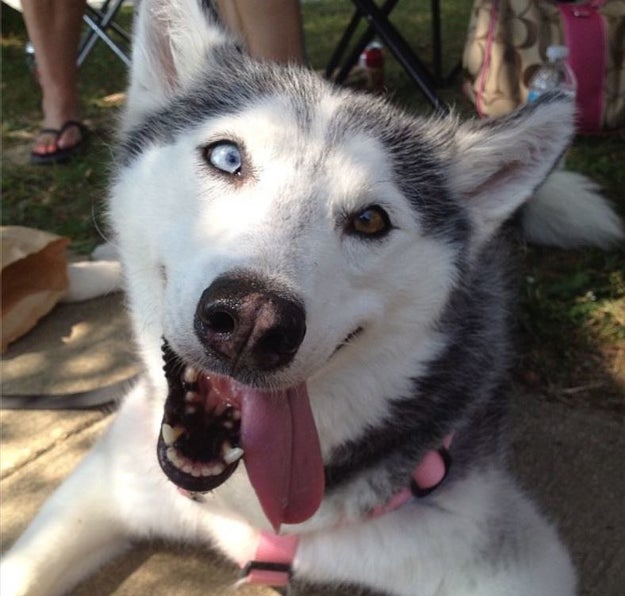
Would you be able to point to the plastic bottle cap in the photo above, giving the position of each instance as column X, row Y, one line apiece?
column 557, row 53
column 373, row 58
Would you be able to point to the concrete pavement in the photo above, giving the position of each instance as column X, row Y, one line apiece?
column 570, row 460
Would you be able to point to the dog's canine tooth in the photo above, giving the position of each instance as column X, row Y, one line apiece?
column 190, row 375
column 232, row 455
column 171, row 433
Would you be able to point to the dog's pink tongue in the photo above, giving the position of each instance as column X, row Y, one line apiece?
column 282, row 453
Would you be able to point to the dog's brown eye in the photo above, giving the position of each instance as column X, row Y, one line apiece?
column 372, row 222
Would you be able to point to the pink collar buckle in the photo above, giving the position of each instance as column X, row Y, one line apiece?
column 429, row 474
column 432, row 470
column 272, row 565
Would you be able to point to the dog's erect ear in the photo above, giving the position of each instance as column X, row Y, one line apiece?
column 172, row 39
column 499, row 163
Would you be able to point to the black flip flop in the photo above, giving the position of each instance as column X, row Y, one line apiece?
column 61, row 155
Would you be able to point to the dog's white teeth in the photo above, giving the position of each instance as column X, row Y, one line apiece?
column 190, row 375
column 196, row 469
column 213, row 470
column 236, row 415
column 190, row 410
column 220, row 408
column 191, row 397
column 233, row 454
column 171, row 433
column 173, row 457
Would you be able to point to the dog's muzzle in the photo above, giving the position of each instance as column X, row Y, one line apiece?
column 227, row 411
column 247, row 325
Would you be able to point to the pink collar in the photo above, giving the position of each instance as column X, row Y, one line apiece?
column 272, row 565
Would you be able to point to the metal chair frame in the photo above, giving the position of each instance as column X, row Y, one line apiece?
column 100, row 24
column 379, row 24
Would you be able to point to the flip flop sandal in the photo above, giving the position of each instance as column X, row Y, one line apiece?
column 61, row 155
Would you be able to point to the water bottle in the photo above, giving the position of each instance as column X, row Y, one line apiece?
column 372, row 62
column 556, row 74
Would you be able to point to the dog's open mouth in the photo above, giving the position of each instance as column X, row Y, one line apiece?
column 212, row 422
column 199, row 444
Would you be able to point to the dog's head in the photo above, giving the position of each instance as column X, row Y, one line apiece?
column 284, row 240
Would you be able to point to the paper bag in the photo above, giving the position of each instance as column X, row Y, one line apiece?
column 34, row 278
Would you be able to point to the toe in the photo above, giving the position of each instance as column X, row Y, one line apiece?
column 45, row 143
column 70, row 137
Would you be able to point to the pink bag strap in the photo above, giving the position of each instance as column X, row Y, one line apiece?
column 585, row 37
column 488, row 50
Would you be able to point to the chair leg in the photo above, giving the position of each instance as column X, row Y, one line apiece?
column 402, row 52
column 98, row 21
column 437, row 59
column 377, row 17
column 437, row 45
column 342, row 46
column 362, row 43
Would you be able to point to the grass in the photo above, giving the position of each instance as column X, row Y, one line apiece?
column 67, row 200
column 573, row 302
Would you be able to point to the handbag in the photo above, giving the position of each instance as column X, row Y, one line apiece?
column 507, row 42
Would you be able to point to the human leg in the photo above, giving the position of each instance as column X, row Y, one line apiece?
column 272, row 30
column 54, row 30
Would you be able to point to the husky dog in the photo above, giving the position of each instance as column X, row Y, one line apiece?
column 318, row 288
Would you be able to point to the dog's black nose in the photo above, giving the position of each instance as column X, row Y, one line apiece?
column 248, row 323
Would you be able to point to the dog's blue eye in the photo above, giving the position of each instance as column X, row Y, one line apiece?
column 225, row 156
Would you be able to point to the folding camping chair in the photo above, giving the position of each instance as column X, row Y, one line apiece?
column 99, row 18
column 377, row 17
